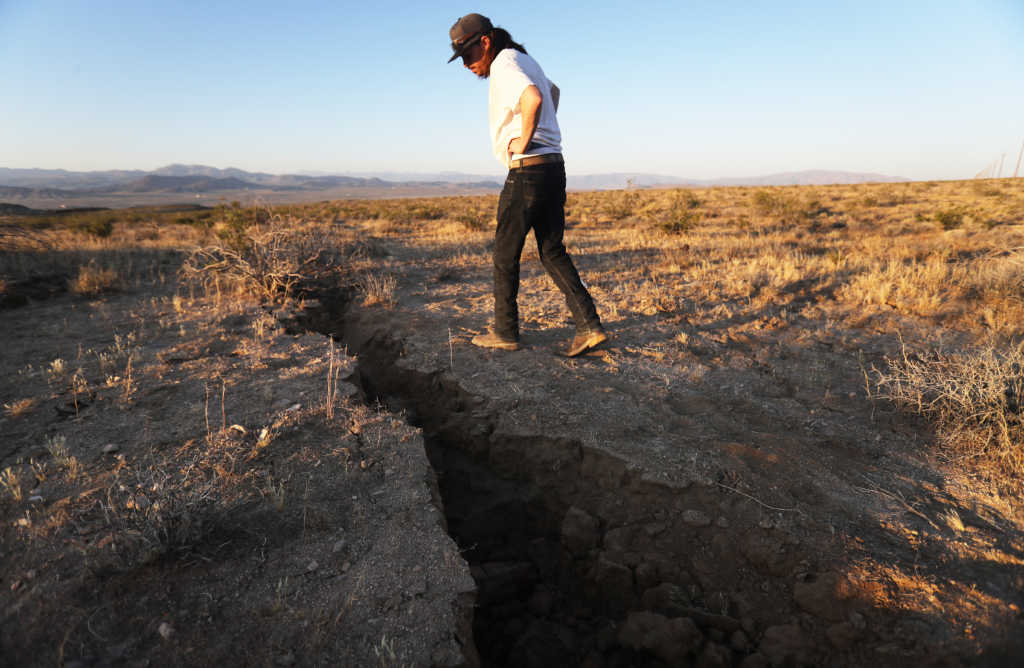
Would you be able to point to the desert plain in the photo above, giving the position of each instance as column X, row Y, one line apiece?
column 260, row 435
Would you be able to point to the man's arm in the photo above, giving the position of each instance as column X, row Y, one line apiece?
column 555, row 93
column 529, row 107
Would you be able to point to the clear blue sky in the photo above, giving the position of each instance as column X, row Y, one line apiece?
column 922, row 89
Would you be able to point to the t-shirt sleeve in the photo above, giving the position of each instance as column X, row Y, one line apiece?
column 511, row 82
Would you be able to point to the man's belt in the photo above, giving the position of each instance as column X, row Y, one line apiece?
column 536, row 160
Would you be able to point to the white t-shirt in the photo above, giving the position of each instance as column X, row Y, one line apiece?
column 512, row 72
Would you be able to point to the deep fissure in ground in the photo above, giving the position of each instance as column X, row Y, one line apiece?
column 531, row 607
column 548, row 530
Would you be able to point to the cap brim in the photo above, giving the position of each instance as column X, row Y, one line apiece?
column 465, row 45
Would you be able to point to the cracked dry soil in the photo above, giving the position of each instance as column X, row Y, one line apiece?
column 727, row 497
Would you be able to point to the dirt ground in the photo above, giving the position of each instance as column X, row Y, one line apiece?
column 347, row 480
column 205, row 509
column 744, row 451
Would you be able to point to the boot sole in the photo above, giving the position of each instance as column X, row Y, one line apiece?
column 494, row 344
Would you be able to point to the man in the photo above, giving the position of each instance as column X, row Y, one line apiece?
column 527, row 140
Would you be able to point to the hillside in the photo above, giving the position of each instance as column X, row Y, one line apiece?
column 48, row 188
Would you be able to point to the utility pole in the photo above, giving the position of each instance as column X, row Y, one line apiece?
column 1018, row 159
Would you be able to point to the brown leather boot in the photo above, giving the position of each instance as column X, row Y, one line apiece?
column 584, row 341
column 492, row 340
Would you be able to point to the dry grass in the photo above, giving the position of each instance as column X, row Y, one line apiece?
column 975, row 399
column 268, row 262
column 92, row 280
column 377, row 289
column 948, row 256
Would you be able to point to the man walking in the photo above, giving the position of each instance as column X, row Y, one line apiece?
column 527, row 140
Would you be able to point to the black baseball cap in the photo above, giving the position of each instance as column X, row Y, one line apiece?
column 467, row 31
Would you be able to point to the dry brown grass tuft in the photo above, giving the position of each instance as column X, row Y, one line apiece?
column 93, row 279
column 377, row 289
column 21, row 407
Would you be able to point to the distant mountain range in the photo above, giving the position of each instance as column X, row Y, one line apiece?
column 59, row 184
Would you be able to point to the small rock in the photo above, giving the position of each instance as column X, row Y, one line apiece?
column 619, row 539
column 293, row 408
column 312, row 566
column 286, row 659
column 826, row 596
column 671, row 640
column 786, row 644
column 714, row 656
column 165, row 630
column 35, row 499
column 739, row 641
column 654, row 528
column 666, row 599
column 579, row 531
column 110, row 448
column 842, row 635
column 755, row 660
column 339, row 545
column 696, row 518
column 647, row 575
column 613, row 582
column 722, row 523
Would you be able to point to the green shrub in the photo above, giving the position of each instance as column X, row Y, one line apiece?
column 474, row 220
column 950, row 219
column 681, row 214
column 97, row 224
column 787, row 209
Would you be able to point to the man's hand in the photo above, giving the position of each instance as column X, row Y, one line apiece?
column 529, row 107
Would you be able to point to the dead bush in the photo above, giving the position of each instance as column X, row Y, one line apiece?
column 269, row 264
column 973, row 398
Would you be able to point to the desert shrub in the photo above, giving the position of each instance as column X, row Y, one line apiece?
column 681, row 214
column 786, row 208
column 620, row 204
column 973, row 398
column 232, row 223
column 266, row 263
column 474, row 220
column 425, row 212
column 96, row 224
column 951, row 218
column 157, row 515
column 93, row 279
column 197, row 219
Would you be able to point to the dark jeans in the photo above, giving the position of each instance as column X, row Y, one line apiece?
column 534, row 198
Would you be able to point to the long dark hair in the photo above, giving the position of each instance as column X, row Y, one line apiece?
column 502, row 40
